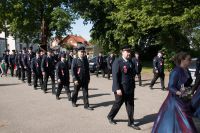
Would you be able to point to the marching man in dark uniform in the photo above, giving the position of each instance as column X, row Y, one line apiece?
column 62, row 73
column 5, row 58
column 100, row 65
column 70, row 58
column 123, row 72
column 36, row 71
column 110, row 61
column 158, row 70
column 138, row 67
column 17, row 62
column 11, row 60
column 21, row 64
column 47, row 67
column 81, row 77
column 27, row 64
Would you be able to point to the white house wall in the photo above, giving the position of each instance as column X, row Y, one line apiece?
column 16, row 44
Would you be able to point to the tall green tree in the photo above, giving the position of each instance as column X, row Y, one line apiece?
column 118, row 22
column 97, row 12
column 39, row 19
column 160, row 19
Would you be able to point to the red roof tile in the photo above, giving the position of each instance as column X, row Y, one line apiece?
column 77, row 39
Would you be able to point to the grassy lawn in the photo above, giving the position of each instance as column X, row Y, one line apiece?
column 147, row 67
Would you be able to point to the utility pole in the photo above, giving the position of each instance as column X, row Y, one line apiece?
column 5, row 30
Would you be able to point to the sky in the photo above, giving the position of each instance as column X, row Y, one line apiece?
column 80, row 29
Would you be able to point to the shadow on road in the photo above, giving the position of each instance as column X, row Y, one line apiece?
column 98, row 95
column 103, row 104
column 147, row 84
column 93, row 89
column 94, row 95
column 147, row 119
column 9, row 84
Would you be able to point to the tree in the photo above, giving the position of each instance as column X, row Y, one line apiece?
column 118, row 22
column 97, row 12
column 195, row 39
column 39, row 19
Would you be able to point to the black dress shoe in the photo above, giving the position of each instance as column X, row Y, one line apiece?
column 35, row 88
column 29, row 84
column 151, row 87
column 74, row 105
column 58, row 98
column 111, row 121
column 69, row 98
column 134, row 126
column 88, row 108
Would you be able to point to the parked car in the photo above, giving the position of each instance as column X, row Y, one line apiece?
column 192, row 69
column 93, row 64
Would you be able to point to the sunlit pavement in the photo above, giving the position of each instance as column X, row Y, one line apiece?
column 25, row 110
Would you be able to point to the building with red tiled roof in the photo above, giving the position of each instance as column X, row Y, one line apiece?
column 74, row 41
column 69, row 41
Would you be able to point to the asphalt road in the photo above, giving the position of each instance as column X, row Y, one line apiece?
column 25, row 110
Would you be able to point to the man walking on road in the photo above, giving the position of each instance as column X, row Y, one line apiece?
column 158, row 70
column 123, row 72
column 47, row 67
column 81, row 77
column 62, row 73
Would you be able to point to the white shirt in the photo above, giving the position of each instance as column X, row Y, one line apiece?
column 125, row 59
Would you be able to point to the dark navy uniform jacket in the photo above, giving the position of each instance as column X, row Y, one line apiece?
column 36, row 65
column 70, row 58
column 62, row 71
column 123, row 76
column 99, row 61
column 158, row 64
column 80, row 70
column 27, row 59
column 5, row 57
column 48, row 64
column 138, row 65
column 56, row 58
column 17, row 57
column 21, row 58
column 11, row 59
column 110, row 61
